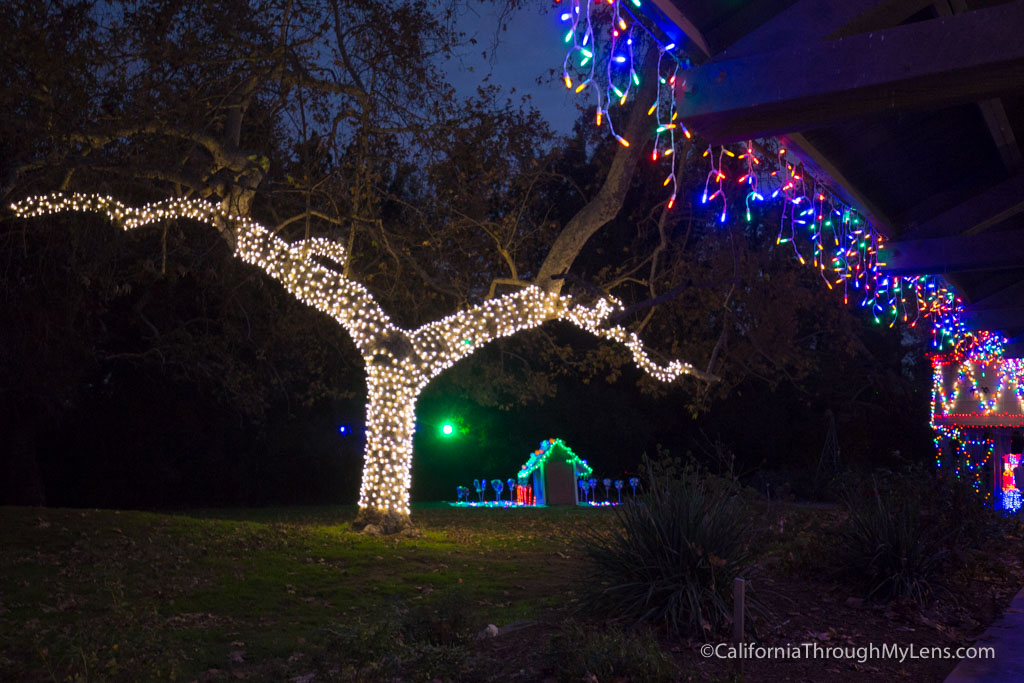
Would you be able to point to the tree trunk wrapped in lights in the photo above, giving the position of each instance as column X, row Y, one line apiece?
column 399, row 363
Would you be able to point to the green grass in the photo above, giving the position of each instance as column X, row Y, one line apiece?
column 293, row 594
column 269, row 594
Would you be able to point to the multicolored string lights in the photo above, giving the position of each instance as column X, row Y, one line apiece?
column 986, row 393
column 821, row 229
column 983, row 383
column 601, row 37
column 549, row 447
column 830, row 235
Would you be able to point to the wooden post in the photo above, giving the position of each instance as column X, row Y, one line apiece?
column 739, row 589
column 739, row 592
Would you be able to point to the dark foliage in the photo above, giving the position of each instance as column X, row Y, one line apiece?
column 889, row 546
column 670, row 559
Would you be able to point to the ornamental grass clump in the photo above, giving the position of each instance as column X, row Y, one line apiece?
column 889, row 547
column 670, row 558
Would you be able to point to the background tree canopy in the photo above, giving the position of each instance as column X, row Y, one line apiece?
column 153, row 369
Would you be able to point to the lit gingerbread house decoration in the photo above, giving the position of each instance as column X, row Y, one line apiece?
column 978, row 416
column 549, row 475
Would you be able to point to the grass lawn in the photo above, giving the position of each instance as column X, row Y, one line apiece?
column 294, row 594
column 272, row 593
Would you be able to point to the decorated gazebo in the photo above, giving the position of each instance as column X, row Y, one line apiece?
column 978, row 417
column 551, row 471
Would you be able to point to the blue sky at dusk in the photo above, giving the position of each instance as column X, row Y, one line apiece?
column 529, row 49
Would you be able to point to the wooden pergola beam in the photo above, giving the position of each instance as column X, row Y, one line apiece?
column 1007, row 297
column 1002, row 319
column 995, row 205
column 881, row 16
column 962, row 253
column 816, row 84
column 677, row 27
column 820, row 167
column 816, row 20
column 746, row 19
column 1001, row 131
column 992, row 110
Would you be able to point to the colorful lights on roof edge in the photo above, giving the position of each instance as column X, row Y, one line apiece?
column 821, row 229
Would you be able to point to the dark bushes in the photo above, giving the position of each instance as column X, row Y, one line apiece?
column 671, row 557
column 888, row 547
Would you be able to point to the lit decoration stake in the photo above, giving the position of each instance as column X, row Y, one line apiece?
column 1011, row 498
column 399, row 363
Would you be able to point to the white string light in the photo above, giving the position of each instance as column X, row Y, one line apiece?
column 399, row 363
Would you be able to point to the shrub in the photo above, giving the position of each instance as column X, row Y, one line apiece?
column 888, row 546
column 671, row 558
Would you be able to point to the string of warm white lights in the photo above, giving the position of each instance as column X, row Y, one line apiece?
column 399, row 363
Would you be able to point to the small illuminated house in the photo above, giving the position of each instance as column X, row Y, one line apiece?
column 978, row 418
column 551, row 472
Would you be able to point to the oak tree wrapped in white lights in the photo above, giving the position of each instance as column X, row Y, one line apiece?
column 399, row 362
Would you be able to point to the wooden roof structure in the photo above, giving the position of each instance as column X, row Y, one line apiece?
column 911, row 110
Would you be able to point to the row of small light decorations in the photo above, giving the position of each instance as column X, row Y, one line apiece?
column 394, row 380
column 810, row 210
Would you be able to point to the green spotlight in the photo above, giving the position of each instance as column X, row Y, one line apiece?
column 447, row 429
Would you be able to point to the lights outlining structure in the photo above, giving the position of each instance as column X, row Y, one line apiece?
column 977, row 405
column 399, row 363
column 822, row 230
column 830, row 236
column 548, row 447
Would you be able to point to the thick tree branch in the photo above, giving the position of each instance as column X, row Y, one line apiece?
column 608, row 202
